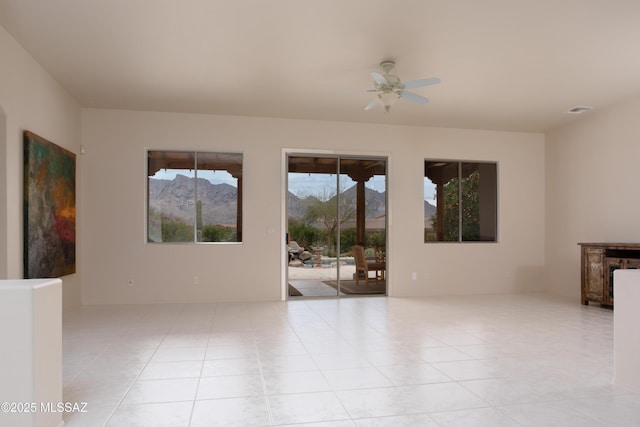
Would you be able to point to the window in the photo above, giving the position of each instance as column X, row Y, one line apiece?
column 460, row 201
column 194, row 196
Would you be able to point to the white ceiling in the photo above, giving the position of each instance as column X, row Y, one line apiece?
column 504, row 64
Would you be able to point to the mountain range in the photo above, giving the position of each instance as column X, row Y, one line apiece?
column 175, row 200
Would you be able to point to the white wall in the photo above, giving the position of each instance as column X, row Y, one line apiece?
column 626, row 341
column 3, row 194
column 33, row 101
column 592, row 189
column 113, row 205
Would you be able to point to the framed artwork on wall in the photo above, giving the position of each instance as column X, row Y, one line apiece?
column 49, row 209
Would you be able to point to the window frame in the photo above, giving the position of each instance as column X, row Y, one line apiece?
column 194, row 153
column 493, row 198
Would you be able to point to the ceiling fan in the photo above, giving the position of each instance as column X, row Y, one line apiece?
column 389, row 88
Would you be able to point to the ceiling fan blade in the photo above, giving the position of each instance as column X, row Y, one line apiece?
column 357, row 91
column 379, row 78
column 371, row 105
column 418, row 99
column 412, row 84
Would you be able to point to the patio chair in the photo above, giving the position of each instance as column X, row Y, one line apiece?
column 364, row 266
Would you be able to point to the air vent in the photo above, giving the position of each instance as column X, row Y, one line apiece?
column 578, row 110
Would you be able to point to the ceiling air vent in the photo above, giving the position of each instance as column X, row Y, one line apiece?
column 578, row 110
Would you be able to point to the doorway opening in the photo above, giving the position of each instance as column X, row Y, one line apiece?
column 336, row 226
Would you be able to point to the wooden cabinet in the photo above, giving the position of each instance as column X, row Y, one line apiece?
column 592, row 275
column 598, row 262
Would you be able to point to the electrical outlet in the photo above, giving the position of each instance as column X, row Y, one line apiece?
column 414, row 276
column 196, row 280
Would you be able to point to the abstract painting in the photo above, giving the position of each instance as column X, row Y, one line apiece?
column 49, row 209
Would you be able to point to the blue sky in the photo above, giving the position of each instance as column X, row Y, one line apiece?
column 429, row 190
column 300, row 184
column 318, row 185
column 215, row 177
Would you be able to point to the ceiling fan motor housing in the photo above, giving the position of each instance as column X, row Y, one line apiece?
column 393, row 81
column 387, row 66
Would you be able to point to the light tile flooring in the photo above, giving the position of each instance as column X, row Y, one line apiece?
column 501, row 360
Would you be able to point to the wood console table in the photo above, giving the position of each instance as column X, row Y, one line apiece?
column 598, row 262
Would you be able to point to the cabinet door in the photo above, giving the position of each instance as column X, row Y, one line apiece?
column 593, row 270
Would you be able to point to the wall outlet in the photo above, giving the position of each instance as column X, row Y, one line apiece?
column 130, row 282
column 414, row 276
column 196, row 280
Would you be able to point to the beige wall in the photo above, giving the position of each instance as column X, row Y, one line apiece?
column 592, row 189
column 111, row 198
column 30, row 100
column 113, row 206
column 577, row 186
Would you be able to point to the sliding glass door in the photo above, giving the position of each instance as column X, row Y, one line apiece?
column 336, row 226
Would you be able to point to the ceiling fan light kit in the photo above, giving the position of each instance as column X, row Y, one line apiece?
column 389, row 88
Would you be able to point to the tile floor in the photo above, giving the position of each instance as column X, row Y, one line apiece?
column 505, row 360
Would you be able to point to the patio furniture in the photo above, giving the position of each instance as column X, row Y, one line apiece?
column 364, row 265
